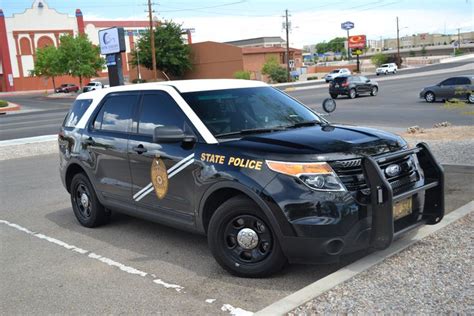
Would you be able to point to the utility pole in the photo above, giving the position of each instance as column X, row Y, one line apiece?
column 348, row 49
column 398, row 44
column 459, row 38
column 287, row 29
column 152, row 40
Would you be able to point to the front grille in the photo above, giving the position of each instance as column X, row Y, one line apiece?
column 351, row 175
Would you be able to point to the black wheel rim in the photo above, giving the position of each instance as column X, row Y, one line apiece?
column 85, row 209
column 238, row 252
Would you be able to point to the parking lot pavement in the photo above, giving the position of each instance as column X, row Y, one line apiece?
column 41, row 271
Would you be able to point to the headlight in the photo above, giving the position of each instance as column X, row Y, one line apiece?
column 316, row 175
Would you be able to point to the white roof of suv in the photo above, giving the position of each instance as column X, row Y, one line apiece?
column 181, row 85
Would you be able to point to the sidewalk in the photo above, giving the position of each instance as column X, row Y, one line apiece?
column 433, row 276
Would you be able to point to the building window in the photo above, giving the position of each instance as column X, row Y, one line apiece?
column 25, row 46
column 44, row 41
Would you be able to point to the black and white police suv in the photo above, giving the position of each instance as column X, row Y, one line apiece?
column 266, row 178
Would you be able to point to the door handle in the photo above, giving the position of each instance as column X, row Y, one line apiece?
column 140, row 149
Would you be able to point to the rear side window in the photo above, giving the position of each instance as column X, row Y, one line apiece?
column 116, row 113
column 76, row 112
column 449, row 82
column 463, row 80
column 159, row 109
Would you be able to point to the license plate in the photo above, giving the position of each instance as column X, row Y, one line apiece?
column 336, row 85
column 402, row 209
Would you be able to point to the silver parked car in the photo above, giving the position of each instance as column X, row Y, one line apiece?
column 461, row 87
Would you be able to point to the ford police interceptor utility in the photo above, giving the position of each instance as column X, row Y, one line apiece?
column 266, row 178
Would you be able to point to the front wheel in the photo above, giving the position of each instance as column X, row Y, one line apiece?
column 334, row 95
column 374, row 91
column 395, row 71
column 352, row 94
column 470, row 98
column 243, row 241
column 85, row 204
column 430, row 97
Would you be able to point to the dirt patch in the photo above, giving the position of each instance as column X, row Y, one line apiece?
column 450, row 133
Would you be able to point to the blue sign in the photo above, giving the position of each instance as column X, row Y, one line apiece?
column 347, row 25
column 110, row 60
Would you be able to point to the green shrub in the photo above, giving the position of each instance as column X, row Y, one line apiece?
column 312, row 78
column 272, row 69
column 3, row 103
column 242, row 74
column 379, row 59
column 136, row 80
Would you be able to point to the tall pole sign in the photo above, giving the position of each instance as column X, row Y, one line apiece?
column 112, row 44
column 347, row 26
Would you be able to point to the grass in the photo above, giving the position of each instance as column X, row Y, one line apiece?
column 3, row 103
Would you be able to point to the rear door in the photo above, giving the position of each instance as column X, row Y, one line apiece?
column 462, row 88
column 355, row 80
column 106, row 140
column 162, row 173
column 446, row 89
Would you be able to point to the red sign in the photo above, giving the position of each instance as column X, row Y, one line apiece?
column 357, row 41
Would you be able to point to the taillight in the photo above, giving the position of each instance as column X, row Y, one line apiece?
column 345, row 84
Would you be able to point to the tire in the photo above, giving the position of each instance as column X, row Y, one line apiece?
column 395, row 71
column 263, row 256
column 430, row 97
column 66, row 91
column 374, row 91
column 92, row 215
column 470, row 98
column 334, row 95
column 378, row 74
column 352, row 93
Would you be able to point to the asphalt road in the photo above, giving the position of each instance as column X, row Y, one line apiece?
column 397, row 105
column 40, row 275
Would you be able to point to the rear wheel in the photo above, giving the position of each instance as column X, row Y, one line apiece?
column 394, row 71
column 374, row 91
column 430, row 97
column 87, row 208
column 243, row 241
column 352, row 93
column 334, row 95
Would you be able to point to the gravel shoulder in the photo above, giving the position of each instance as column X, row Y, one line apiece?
column 433, row 276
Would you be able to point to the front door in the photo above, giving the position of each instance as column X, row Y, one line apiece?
column 162, row 174
column 106, row 141
column 446, row 89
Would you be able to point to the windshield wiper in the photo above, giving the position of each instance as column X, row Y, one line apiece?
column 305, row 123
column 252, row 131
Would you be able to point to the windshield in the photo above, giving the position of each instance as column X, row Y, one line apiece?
column 335, row 71
column 232, row 111
column 91, row 84
column 384, row 66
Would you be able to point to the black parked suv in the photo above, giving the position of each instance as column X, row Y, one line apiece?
column 264, row 177
column 352, row 86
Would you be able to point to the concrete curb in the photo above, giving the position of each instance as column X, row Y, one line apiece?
column 317, row 288
column 10, row 108
column 28, row 140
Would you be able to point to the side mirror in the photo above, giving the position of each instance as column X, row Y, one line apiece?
column 329, row 105
column 171, row 134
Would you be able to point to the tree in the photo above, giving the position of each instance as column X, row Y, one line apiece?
column 379, row 59
column 334, row 45
column 48, row 64
column 172, row 55
column 272, row 69
column 80, row 58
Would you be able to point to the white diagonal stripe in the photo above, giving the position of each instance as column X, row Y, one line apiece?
column 171, row 172
column 170, row 175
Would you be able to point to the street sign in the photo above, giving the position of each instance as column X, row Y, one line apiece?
column 357, row 41
column 347, row 25
column 357, row 52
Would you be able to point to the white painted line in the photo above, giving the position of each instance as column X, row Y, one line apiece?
column 235, row 311
column 317, row 288
column 210, row 300
column 28, row 140
column 91, row 255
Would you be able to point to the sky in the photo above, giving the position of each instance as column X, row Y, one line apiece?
column 312, row 21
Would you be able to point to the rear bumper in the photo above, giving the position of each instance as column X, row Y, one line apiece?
column 339, row 91
column 377, row 230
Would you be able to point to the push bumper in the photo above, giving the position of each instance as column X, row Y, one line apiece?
column 377, row 230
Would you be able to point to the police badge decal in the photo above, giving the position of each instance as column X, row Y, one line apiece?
column 159, row 177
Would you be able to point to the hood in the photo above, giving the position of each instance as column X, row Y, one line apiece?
column 330, row 141
column 430, row 87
